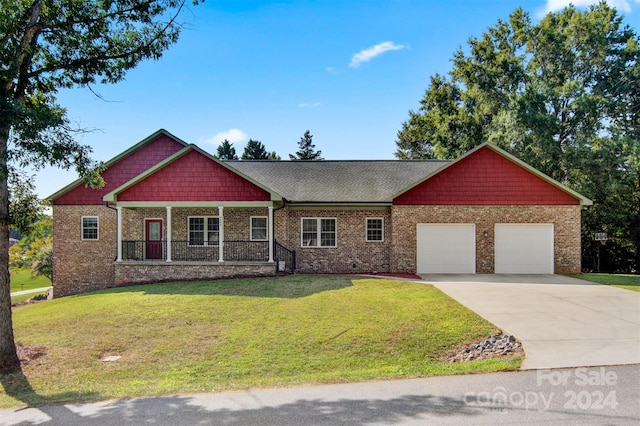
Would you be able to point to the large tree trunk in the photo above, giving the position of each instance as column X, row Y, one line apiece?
column 9, row 361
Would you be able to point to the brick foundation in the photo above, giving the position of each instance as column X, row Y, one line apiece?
column 149, row 272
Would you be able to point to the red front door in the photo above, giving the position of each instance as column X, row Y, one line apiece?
column 153, row 238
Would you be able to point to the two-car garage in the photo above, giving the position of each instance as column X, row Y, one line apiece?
column 519, row 248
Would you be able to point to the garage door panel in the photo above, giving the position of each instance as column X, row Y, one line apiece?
column 446, row 248
column 524, row 248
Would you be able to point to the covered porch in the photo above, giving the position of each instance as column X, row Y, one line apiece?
column 209, row 232
column 197, row 240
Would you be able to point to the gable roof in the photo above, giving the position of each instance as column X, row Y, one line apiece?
column 113, row 195
column 584, row 201
column 346, row 182
column 152, row 137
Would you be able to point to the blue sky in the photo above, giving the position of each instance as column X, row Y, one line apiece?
column 348, row 71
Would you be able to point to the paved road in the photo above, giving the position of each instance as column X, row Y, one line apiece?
column 561, row 321
column 584, row 396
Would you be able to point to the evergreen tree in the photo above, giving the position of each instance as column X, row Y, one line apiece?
column 254, row 150
column 273, row 156
column 307, row 149
column 226, row 151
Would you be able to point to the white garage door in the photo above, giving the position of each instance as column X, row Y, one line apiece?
column 524, row 248
column 445, row 248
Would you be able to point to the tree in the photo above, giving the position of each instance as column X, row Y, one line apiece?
column 46, row 45
column 307, row 149
column 38, row 238
column 563, row 95
column 273, row 156
column 226, row 151
column 254, row 150
column 43, row 263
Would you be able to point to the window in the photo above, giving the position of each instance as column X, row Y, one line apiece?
column 375, row 229
column 204, row 231
column 258, row 228
column 318, row 232
column 89, row 227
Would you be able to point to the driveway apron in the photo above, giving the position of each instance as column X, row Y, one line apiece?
column 561, row 321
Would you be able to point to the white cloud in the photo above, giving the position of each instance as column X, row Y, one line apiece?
column 368, row 54
column 309, row 104
column 624, row 6
column 232, row 135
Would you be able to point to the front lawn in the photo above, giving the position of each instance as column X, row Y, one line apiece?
column 21, row 279
column 235, row 334
column 630, row 282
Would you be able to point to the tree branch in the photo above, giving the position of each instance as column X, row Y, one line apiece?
column 80, row 62
column 31, row 33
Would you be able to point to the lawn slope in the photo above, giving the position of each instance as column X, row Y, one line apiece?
column 236, row 334
column 627, row 281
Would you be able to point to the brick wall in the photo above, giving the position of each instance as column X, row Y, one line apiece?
column 566, row 220
column 353, row 253
column 130, row 273
column 82, row 266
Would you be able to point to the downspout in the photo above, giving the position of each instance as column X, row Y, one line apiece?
column 273, row 227
column 273, row 219
column 106, row 203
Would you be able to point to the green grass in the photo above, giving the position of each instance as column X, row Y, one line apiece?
column 21, row 279
column 235, row 334
column 24, row 297
column 630, row 282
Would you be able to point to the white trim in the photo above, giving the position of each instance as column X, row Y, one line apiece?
column 220, row 234
column 82, row 218
column 366, row 229
column 270, row 232
column 266, row 220
column 206, row 242
column 341, row 206
column 318, row 232
column 168, row 233
column 194, row 204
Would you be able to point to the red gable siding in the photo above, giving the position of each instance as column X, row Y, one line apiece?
column 194, row 177
column 122, row 171
column 485, row 178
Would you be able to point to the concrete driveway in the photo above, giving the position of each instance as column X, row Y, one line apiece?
column 561, row 321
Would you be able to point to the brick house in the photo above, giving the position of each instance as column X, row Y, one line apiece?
column 170, row 211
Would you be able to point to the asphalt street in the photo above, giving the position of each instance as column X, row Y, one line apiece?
column 582, row 396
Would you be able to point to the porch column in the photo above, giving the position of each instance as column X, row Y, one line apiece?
column 168, row 233
column 119, row 233
column 221, row 234
column 270, row 228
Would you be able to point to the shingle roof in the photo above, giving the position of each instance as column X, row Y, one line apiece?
column 366, row 181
